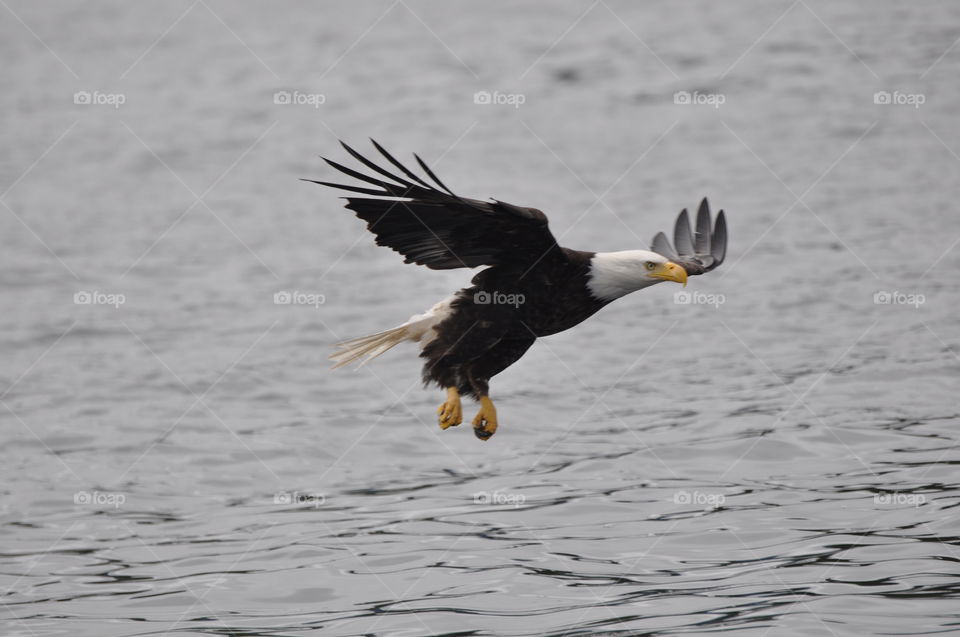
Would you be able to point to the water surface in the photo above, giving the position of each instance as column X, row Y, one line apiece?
column 780, row 459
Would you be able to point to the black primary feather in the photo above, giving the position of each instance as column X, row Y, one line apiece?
column 434, row 227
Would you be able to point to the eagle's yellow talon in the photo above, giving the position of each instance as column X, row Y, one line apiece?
column 450, row 412
column 485, row 422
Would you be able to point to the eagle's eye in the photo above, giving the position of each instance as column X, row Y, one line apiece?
column 650, row 265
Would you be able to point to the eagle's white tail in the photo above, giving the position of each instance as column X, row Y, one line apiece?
column 418, row 328
column 370, row 346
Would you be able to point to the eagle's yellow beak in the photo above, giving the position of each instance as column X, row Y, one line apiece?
column 670, row 271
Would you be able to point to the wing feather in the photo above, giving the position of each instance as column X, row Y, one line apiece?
column 682, row 237
column 718, row 248
column 701, row 241
column 434, row 227
column 372, row 166
column 661, row 245
column 429, row 172
column 698, row 253
column 391, row 190
column 400, row 166
column 365, row 191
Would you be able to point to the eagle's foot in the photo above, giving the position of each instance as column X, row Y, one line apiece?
column 450, row 413
column 485, row 422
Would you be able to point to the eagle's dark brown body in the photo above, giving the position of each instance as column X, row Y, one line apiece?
column 494, row 322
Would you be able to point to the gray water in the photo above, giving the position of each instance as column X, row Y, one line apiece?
column 777, row 457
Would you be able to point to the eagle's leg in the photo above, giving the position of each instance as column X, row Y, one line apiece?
column 450, row 412
column 485, row 422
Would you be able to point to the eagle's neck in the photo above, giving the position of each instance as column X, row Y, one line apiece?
column 615, row 274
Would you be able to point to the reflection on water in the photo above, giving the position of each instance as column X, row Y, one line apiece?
column 186, row 463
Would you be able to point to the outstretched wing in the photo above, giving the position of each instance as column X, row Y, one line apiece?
column 431, row 226
column 696, row 252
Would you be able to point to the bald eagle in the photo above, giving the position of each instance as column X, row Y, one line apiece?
column 531, row 287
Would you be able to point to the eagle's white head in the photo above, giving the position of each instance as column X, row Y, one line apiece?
column 614, row 274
